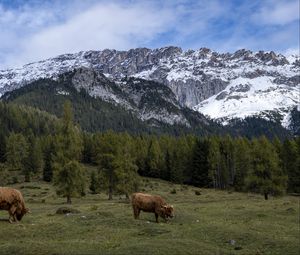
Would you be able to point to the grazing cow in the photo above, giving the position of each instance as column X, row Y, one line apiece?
column 150, row 203
column 12, row 201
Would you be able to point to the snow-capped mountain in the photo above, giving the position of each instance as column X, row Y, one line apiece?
column 221, row 86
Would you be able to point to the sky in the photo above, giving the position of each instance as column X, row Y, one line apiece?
column 32, row 30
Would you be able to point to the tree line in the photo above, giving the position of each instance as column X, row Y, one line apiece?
column 57, row 151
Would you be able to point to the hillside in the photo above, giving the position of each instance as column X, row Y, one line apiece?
column 223, row 86
column 144, row 106
column 215, row 222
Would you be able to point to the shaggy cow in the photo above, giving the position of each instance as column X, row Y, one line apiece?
column 12, row 201
column 150, row 203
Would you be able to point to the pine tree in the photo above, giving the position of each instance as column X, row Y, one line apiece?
column 227, row 162
column 93, row 183
column 242, row 158
column 17, row 153
column 200, row 164
column 70, row 180
column 35, row 161
column 68, row 144
column 265, row 176
column 125, row 166
column 168, row 167
column 49, row 154
column 289, row 156
column 154, row 160
column 214, row 162
column 126, row 173
column 106, row 151
column 141, row 154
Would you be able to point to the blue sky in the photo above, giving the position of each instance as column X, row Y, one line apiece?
column 37, row 29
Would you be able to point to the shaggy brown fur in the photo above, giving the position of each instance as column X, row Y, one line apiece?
column 12, row 201
column 149, row 203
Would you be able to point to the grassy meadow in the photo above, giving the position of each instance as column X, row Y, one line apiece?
column 214, row 222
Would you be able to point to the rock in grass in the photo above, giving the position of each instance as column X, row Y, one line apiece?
column 238, row 248
column 197, row 193
column 232, row 242
column 66, row 210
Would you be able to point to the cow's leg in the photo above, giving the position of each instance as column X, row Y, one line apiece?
column 136, row 212
column 15, row 218
column 156, row 217
column 12, row 212
column 10, row 219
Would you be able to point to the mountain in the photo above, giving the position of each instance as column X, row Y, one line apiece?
column 226, row 87
column 132, row 104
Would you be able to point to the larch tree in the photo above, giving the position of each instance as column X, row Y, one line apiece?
column 214, row 162
column 154, row 159
column 17, row 153
column 200, row 164
column 265, row 176
column 68, row 143
column 35, row 161
column 70, row 180
column 290, row 154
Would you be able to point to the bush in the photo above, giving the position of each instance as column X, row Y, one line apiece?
column 173, row 191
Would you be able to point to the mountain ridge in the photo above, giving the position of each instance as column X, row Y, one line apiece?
column 215, row 84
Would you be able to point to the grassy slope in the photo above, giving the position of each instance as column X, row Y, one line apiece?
column 203, row 225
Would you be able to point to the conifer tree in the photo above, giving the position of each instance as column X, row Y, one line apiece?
column 200, row 164
column 289, row 156
column 35, row 162
column 125, row 166
column 68, row 143
column 17, row 153
column 70, row 180
column 167, row 167
column 49, row 154
column 93, row 183
column 242, row 158
column 141, row 151
column 265, row 176
column 214, row 162
column 154, row 160
column 106, row 151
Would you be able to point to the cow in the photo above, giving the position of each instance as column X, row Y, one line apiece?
column 12, row 201
column 151, row 203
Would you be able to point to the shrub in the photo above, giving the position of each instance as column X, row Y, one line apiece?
column 173, row 191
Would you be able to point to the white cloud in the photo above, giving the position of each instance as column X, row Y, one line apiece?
column 277, row 12
column 98, row 27
column 33, row 32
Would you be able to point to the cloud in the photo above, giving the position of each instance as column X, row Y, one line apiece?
column 98, row 27
column 278, row 12
column 35, row 30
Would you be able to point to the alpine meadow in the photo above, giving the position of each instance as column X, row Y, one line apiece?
column 113, row 141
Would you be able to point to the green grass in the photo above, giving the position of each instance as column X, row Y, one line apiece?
column 204, row 224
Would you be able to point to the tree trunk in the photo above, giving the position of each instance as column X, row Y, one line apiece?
column 266, row 196
column 69, row 201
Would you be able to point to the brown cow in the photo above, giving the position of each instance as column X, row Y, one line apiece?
column 12, row 201
column 150, row 203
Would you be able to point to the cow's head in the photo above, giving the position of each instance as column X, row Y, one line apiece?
column 168, row 211
column 21, row 212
